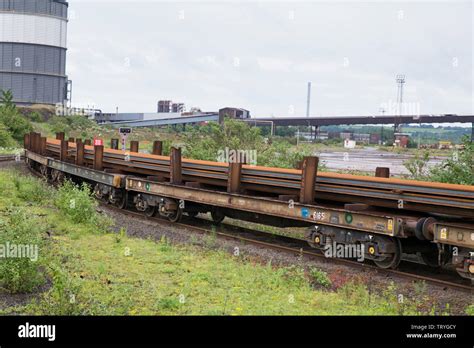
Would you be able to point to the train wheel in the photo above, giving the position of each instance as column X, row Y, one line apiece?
column 176, row 215
column 394, row 260
column 44, row 171
column 217, row 215
column 57, row 177
column 150, row 211
column 61, row 178
column 122, row 201
column 431, row 259
column 54, row 175
column 100, row 195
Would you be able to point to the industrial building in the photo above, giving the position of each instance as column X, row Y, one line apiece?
column 33, row 50
column 165, row 106
column 169, row 114
column 234, row 113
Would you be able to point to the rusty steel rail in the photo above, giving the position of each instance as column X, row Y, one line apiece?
column 304, row 185
column 9, row 158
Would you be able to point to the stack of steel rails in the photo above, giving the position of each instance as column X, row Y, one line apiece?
column 407, row 195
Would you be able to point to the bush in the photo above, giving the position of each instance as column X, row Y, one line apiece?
column 6, row 139
column 418, row 165
column 320, row 277
column 76, row 202
column 280, row 154
column 35, row 116
column 205, row 142
column 80, row 122
column 59, row 124
column 18, row 229
column 15, row 123
column 459, row 169
column 31, row 189
column 62, row 298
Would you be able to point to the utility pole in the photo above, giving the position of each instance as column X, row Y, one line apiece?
column 308, row 100
column 400, row 79
column 382, row 111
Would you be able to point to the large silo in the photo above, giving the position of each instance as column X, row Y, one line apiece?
column 33, row 50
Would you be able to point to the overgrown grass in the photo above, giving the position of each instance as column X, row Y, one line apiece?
column 79, row 205
column 133, row 276
column 21, row 242
column 27, row 217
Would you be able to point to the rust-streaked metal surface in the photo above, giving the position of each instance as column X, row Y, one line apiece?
column 376, row 223
column 114, row 180
column 454, row 234
column 35, row 157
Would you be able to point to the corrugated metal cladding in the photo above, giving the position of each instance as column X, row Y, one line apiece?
column 40, row 30
column 33, row 50
column 18, row 57
column 44, row 7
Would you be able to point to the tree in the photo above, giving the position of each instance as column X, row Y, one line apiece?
column 7, row 100
column 15, row 123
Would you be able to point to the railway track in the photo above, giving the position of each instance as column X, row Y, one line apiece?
column 11, row 158
column 299, row 247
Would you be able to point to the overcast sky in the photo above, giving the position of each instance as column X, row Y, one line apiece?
column 260, row 55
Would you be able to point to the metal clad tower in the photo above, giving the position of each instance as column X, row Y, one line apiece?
column 33, row 50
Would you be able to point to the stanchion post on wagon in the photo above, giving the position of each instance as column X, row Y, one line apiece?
column 79, row 152
column 98, row 157
column 43, row 146
column 134, row 146
column 158, row 147
column 63, row 151
column 233, row 179
column 175, row 166
column 382, row 172
column 308, row 179
column 26, row 141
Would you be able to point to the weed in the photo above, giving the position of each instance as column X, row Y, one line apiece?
column 62, row 299
column 79, row 205
column 294, row 275
column 320, row 277
column 20, row 245
column 168, row 303
column 32, row 190
column 120, row 235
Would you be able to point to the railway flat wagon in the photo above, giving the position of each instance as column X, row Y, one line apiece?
column 387, row 217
